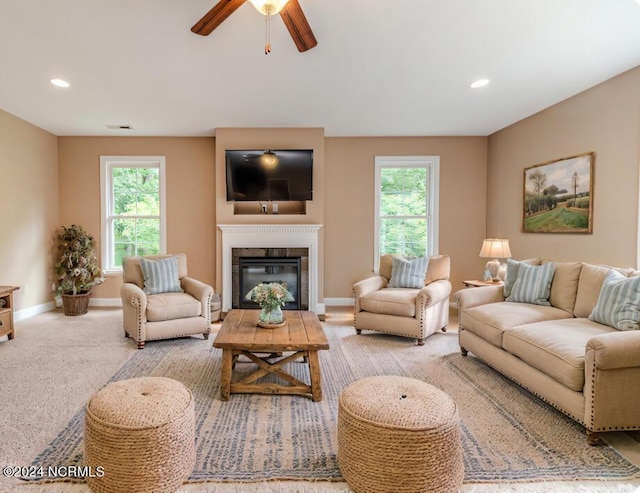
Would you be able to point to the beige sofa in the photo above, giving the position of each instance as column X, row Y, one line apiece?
column 408, row 312
column 587, row 370
column 148, row 317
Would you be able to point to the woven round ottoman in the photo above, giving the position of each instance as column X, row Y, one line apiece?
column 141, row 432
column 398, row 434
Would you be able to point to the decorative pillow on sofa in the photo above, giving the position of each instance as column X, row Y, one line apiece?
column 533, row 284
column 618, row 304
column 408, row 273
column 160, row 276
column 512, row 273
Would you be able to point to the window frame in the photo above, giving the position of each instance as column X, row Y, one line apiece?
column 432, row 164
column 107, row 164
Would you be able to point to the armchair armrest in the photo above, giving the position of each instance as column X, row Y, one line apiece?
column 366, row 286
column 134, row 307
column 434, row 293
column 467, row 298
column 199, row 291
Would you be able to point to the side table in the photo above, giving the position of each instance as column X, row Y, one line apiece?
column 6, row 310
column 476, row 283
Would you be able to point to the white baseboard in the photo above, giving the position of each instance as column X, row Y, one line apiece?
column 32, row 311
column 339, row 301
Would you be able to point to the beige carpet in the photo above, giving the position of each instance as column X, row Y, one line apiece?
column 53, row 366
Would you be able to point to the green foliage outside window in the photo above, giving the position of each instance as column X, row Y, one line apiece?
column 403, row 211
column 136, row 225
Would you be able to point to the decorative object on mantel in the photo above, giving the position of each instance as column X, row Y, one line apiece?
column 495, row 248
column 76, row 269
column 271, row 297
column 558, row 196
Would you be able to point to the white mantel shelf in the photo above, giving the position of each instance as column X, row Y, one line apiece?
column 270, row 236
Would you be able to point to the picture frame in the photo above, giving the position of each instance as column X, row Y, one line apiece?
column 558, row 196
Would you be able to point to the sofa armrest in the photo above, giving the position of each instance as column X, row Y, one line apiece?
column 466, row 298
column 200, row 291
column 612, row 380
column 434, row 293
column 616, row 350
column 366, row 286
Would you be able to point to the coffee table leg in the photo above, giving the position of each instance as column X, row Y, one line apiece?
column 314, row 374
column 225, row 374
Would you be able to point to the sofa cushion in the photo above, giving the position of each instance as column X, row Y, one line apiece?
column 391, row 301
column 160, row 276
column 386, row 262
column 512, row 272
column 556, row 348
column 491, row 320
column 169, row 306
column 589, row 285
column 533, row 284
column 564, row 286
column 408, row 273
column 619, row 302
column 131, row 271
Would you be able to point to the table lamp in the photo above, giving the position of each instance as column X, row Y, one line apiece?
column 495, row 248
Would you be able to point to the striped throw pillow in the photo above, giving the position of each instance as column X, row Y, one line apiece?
column 618, row 304
column 160, row 276
column 533, row 284
column 408, row 273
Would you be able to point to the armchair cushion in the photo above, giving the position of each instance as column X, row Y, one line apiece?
column 408, row 273
column 170, row 306
column 391, row 301
column 160, row 276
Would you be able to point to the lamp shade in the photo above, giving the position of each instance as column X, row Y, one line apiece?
column 495, row 248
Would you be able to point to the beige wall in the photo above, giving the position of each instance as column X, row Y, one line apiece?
column 349, row 204
column 189, row 193
column 605, row 120
column 29, row 198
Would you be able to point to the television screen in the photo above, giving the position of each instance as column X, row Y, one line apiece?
column 260, row 175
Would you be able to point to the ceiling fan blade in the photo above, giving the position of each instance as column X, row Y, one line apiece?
column 298, row 27
column 213, row 18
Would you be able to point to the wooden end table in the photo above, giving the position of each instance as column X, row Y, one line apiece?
column 6, row 311
column 240, row 335
column 477, row 284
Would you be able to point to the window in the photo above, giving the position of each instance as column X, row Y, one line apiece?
column 406, row 192
column 133, row 216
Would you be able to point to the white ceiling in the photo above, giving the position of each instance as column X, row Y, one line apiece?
column 381, row 67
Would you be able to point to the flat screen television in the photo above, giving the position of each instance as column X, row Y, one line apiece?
column 259, row 175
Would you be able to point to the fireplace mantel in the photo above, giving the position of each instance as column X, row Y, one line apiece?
column 270, row 236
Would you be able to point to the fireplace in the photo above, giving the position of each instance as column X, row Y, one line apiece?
column 271, row 240
column 283, row 270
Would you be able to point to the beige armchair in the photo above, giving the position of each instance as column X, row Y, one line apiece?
column 408, row 312
column 163, row 315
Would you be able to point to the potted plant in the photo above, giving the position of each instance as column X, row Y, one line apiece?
column 271, row 297
column 76, row 269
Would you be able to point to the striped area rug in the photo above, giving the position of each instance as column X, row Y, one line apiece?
column 508, row 435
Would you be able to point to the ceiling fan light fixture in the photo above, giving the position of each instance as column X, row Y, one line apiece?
column 269, row 7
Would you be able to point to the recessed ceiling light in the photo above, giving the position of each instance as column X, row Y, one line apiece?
column 59, row 82
column 482, row 82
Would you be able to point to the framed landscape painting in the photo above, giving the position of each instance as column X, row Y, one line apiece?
column 558, row 196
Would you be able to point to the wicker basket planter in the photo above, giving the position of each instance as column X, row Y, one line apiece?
column 75, row 304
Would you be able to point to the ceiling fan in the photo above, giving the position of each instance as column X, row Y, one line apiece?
column 290, row 11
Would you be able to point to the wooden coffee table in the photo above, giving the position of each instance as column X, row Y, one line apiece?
column 302, row 336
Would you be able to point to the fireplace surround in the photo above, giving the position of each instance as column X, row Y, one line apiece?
column 271, row 236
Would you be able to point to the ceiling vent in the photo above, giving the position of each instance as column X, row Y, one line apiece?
column 120, row 127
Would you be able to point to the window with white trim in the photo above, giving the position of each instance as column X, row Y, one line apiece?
column 406, row 206
column 133, row 208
